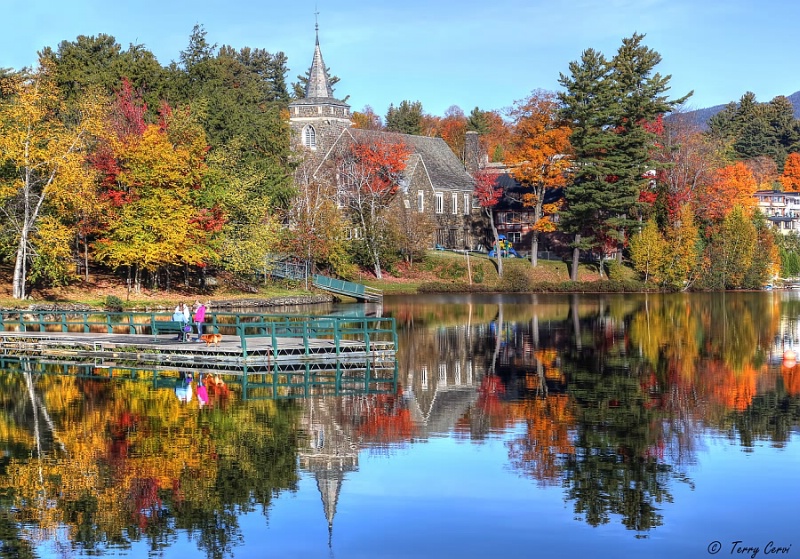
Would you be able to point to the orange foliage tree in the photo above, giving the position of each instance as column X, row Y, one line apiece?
column 729, row 187
column 791, row 173
column 453, row 130
column 539, row 157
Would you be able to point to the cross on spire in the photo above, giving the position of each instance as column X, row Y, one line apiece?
column 316, row 22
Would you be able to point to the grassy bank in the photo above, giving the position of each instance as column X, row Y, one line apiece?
column 440, row 271
column 444, row 271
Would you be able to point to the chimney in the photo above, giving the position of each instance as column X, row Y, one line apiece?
column 473, row 154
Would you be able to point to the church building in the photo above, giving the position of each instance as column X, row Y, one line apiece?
column 434, row 182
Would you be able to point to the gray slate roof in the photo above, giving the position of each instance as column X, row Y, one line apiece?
column 318, row 83
column 445, row 169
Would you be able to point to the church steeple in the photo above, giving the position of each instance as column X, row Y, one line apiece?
column 319, row 84
column 318, row 118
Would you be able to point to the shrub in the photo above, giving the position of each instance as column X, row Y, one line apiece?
column 113, row 303
column 516, row 278
column 616, row 271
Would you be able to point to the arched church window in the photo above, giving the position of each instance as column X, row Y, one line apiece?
column 310, row 137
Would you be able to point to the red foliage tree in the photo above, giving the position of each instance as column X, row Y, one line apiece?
column 489, row 193
column 368, row 175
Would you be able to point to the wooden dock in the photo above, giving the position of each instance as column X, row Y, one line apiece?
column 166, row 349
column 248, row 339
column 269, row 355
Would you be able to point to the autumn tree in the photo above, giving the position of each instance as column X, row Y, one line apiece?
column 488, row 194
column 683, row 250
column 764, row 171
column 687, row 159
column 367, row 119
column 42, row 155
column 732, row 250
column 539, row 157
column 368, row 171
column 233, row 193
column 413, row 231
column 791, row 173
column 730, row 186
column 154, row 174
column 649, row 252
column 317, row 229
column 453, row 130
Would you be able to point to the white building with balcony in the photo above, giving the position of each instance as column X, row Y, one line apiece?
column 782, row 209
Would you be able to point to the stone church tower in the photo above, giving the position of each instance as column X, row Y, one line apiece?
column 318, row 118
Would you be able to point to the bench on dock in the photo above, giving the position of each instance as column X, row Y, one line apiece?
column 165, row 326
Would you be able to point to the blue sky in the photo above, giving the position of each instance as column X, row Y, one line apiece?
column 470, row 53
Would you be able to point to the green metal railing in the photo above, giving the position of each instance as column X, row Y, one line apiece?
column 366, row 330
column 358, row 291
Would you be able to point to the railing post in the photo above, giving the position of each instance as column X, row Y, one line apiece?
column 365, row 328
column 337, row 336
column 274, row 344
column 242, row 337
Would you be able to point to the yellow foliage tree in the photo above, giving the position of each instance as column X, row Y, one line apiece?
column 649, row 252
column 45, row 154
column 157, row 220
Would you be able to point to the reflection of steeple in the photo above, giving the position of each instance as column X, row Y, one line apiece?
column 329, row 484
column 329, row 455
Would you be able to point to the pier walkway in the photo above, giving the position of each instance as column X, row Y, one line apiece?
column 248, row 339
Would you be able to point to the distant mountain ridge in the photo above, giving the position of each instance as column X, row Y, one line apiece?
column 701, row 116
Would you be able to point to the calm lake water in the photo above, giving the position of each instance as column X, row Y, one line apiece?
column 519, row 426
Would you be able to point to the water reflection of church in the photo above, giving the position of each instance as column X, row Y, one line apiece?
column 439, row 372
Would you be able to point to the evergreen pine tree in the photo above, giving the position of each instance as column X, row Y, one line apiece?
column 612, row 106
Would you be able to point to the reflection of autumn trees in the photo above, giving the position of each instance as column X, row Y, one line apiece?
column 124, row 463
column 548, row 440
column 381, row 419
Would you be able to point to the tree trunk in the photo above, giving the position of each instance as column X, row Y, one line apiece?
column 377, row 260
column 497, row 250
column 537, row 216
column 86, row 258
column 576, row 257
column 20, row 265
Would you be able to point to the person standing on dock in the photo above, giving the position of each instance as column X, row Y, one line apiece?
column 177, row 316
column 199, row 318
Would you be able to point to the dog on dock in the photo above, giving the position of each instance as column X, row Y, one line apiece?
column 211, row 339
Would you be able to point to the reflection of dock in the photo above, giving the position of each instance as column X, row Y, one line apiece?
column 278, row 381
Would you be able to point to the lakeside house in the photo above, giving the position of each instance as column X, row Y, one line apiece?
column 782, row 209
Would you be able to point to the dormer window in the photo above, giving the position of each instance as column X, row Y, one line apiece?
column 310, row 137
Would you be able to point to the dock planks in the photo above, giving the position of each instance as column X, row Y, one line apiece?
column 166, row 349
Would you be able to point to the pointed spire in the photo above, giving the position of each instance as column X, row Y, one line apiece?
column 319, row 84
